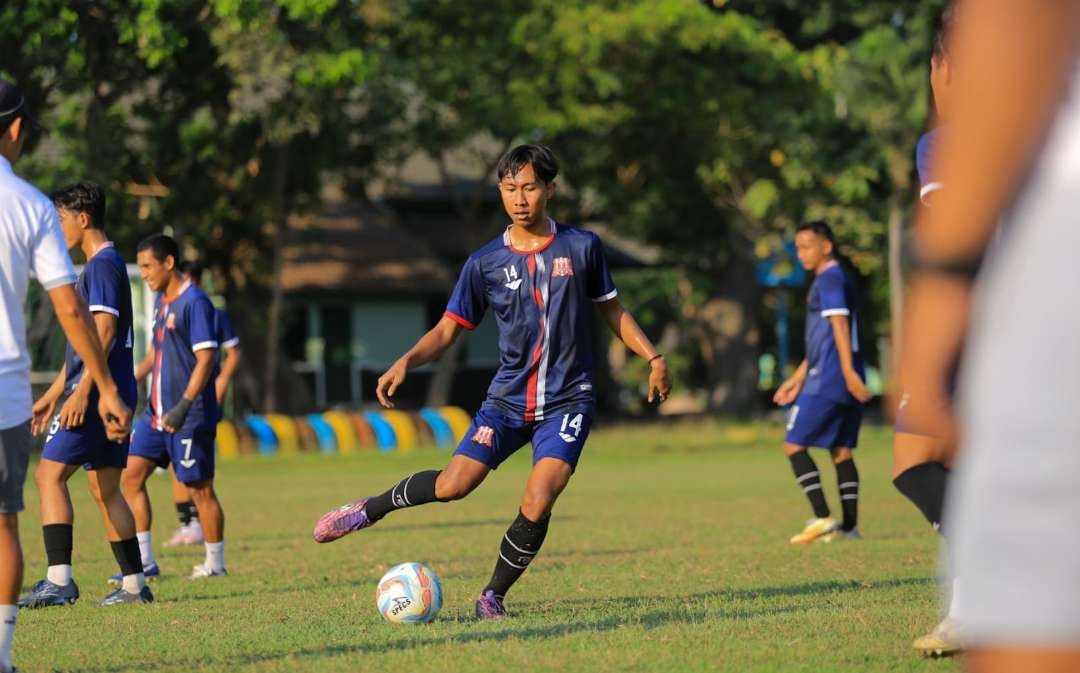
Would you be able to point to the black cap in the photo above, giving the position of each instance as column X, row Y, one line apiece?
column 13, row 104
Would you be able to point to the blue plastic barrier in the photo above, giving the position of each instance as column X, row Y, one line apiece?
column 324, row 433
column 384, row 433
column 264, row 434
column 444, row 435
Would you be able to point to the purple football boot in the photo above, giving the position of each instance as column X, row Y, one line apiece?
column 490, row 606
column 342, row 521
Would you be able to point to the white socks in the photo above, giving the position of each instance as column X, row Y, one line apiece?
column 133, row 584
column 215, row 556
column 146, row 551
column 59, row 574
column 955, row 612
column 7, row 634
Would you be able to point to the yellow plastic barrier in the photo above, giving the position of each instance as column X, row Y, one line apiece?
column 343, row 430
column 228, row 442
column 458, row 419
column 404, row 430
column 285, row 429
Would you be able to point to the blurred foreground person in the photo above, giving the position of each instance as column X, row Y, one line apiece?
column 1012, row 151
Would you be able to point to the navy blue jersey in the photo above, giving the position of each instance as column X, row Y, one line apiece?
column 183, row 326
column 831, row 294
column 924, row 155
column 542, row 303
column 105, row 287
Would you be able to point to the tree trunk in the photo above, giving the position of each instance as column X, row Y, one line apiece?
column 438, row 392
column 277, row 298
column 730, row 321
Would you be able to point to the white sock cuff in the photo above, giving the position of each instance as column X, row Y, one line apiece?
column 8, row 612
column 215, row 546
column 144, row 536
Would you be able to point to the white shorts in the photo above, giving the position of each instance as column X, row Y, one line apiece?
column 1013, row 511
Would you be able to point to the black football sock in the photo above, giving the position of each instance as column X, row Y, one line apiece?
column 183, row 514
column 518, row 548
column 809, row 479
column 192, row 512
column 127, row 556
column 847, row 476
column 419, row 489
column 924, row 485
column 57, row 543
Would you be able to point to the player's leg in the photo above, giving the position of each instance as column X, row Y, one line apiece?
column 491, row 439
column 57, row 517
column 148, row 450
column 814, row 421
column 190, row 530
column 557, row 445
column 104, row 485
column 920, row 472
column 133, row 488
column 847, row 480
column 213, row 516
column 1011, row 660
column 15, row 444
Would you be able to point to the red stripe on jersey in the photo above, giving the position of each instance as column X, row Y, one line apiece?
column 534, row 368
column 459, row 320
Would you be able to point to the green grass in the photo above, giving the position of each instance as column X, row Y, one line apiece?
column 668, row 552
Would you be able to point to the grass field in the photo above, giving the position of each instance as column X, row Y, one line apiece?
column 668, row 552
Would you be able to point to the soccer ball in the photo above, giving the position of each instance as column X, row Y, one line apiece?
column 409, row 593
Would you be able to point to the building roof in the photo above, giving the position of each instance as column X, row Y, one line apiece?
column 354, row 247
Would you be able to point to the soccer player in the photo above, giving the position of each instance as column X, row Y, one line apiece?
column 1012, row 151
column 921, row 461
column 190, row 530
column 539, row 279
column 31, row 243
column 181, row 418
column 77, row 438
column 828, row 388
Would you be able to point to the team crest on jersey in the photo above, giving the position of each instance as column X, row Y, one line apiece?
column 484, row 435
column 170, row 322
column 561, row 266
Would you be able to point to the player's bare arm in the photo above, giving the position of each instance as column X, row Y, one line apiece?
column 789, row 389
column 841, row 328
column 73, row 411
column 228, row 368
column 46, row 404
column 430, row 347
column 78, row 326
column 624, row 326
column 143, row 369
column 200, row 376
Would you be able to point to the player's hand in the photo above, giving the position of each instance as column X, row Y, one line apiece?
column 43, row 411
column 174, row 418
column 787, row 392
column 115, row 414
column 73, row 411
column 389, row 383
column 857, row 387
column 659, row 380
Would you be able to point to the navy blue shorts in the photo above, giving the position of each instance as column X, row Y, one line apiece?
column 822, row 423
column 190, row 449
column 86, row 445
column 494, row 436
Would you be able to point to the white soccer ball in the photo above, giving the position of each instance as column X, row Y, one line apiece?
column 409, row 593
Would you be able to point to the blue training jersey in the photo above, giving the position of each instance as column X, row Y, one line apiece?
column 105, row 287
column 831, row 294
column 924, row 155
column 542, row 303
column 183, row 326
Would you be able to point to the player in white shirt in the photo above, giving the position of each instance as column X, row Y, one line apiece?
column 31, row 243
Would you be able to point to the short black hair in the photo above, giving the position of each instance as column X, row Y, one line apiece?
column 162, row 246
column 83, row 197
column 819, row 227
column 943, row 29
column 543, row 161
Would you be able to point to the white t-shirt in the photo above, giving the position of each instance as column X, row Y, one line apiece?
column 31, row 243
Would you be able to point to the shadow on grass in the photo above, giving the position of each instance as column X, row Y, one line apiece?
column 659, row 611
